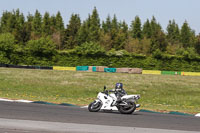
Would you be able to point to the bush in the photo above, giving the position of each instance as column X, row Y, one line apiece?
column 117, row 53
column 40, row 51
column 90, row 48
column 157, row 54
column 41, row 47
column 7, row 42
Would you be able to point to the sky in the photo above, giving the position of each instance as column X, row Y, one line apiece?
column 163, row 10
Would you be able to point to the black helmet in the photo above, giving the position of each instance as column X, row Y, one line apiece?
column 118, row 86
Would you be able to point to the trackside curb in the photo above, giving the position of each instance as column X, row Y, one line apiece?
column 38, row 102
column 171, row 112
column 22, row 101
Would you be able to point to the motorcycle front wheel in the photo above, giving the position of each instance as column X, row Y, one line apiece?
column 127, row 109
column 95, row 106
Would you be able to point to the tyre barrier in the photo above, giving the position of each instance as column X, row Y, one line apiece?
column 122, row 70
column 94, row 69
column 26, row 67
column 135, row 70
column 129, row 70
column 3, row 65
column 110, row 70
column 90, row 68
column 100, row 68
column 82, row 68
column 104, row 69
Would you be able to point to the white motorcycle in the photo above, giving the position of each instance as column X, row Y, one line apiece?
column 107, row 100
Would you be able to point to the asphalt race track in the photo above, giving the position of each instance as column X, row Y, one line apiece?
column 39, row 118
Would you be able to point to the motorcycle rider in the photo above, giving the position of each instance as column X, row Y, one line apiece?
column 119, row 92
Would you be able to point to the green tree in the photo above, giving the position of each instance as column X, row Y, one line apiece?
column 18, row 31
column 138, row 46
column 145, row 45
column 71, row 32
column 146, row 30
column 4, row 22
column 158, row 42
column 59, row 22
column 94, row 29
column 30, row 18
column 124, row 28
column 133, row 46
column 186, row 35
column 13, row 22
column 122, row 36
column 155, row 27
column 7, row 43
column 53, row 24
column 46, row 24
column 197, row 45
column 173, row 37
column 114, row 23
column 106, row 38
column 106, row 26
column 83, row 33
column 8, row 22
column 57, row 29
column 105, row 41
column 173, row 32
column 158, row 38
column 27, row 29
column 37, row 23
column 136, row 31
column 114, row 32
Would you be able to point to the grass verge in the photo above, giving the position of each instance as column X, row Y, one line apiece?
column 158, row 92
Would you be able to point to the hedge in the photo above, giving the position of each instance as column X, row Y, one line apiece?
column 147, row 63
column 171, row 63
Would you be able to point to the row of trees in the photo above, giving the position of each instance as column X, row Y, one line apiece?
column 43, row 35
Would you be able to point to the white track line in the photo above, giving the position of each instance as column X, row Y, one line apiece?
column 22, row 101
column 197, row 115
column 84, row 106
column 7, row 100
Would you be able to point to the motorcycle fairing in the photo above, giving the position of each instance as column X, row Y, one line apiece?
column 107, row 101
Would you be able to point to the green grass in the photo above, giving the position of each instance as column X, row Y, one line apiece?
column 158, row 92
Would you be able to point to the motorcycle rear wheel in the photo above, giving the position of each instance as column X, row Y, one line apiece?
column 95, row 107
column 127, row 110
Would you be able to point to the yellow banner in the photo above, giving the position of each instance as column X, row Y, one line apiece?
column 64, row 68
column 151, row 72
column 190, row 73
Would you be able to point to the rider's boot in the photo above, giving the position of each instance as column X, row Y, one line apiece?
column 118, row 100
